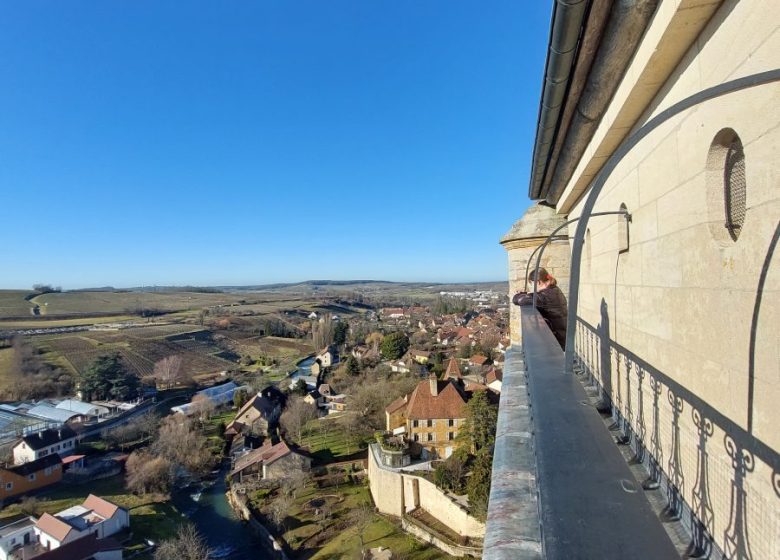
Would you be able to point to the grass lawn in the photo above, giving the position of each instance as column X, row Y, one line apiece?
column 337, row 537
column 327, row 441
column 64, row 496
column 151, row 517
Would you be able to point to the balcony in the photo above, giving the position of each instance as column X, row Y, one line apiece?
column 561, row 487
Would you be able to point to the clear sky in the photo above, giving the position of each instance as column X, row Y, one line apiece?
column 214, row 143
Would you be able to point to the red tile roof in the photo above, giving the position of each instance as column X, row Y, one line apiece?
column 494, row 375
column 397, row 404
column 53, row 526
column 102, row 507
column 265, row 454
column 447, row 403
column 478, row 360
column 453, row 370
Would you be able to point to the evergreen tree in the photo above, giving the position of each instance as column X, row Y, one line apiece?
column 352, row 366
column 394, row 345
column 479, row 429
column 478, row 485
column 107, row 378
column 340, row 333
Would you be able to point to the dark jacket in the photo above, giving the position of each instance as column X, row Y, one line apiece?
column 551, row 304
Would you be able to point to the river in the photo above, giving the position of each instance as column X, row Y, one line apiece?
column 228, row 536
column 304, row 369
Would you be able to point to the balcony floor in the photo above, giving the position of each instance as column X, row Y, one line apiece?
column 590, row 504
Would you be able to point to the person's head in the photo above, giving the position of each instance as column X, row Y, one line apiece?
column 545, row 280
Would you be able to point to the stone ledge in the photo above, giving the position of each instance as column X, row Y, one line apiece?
column 513, row 530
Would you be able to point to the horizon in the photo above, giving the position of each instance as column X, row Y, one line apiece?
column 251, row 285
column 169, row 144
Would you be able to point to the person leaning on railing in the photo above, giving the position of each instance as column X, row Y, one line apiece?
column 550, row 302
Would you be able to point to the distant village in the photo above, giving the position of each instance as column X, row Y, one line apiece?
column 400, row 399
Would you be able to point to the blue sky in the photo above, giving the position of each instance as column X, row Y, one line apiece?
column 212, row 143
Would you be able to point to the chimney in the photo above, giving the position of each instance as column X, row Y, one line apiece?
column 434, row 383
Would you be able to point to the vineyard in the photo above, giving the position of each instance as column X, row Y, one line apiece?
column 139, row 349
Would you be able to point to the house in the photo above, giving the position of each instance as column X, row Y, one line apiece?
column 15, row 535
column 95, row 516
column 453, row 370
column 493, row 379
column 327, row 357
column 90, row 547
column 258, row 413
column 420, row 356
column 401, row 366
column 478, row 360
column 61, row 441
column 395, row 415
column 393, row 312
column 30, row 476
column 269, row 462
column 445, row 338
column 334, row 403
column 313, row 398
column 220, row 395
column 325, row 389
column 432, row 416
column 87, row 411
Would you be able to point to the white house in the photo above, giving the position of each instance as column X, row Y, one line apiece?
column 15, row 535
column 34, row 446
column 95, row 516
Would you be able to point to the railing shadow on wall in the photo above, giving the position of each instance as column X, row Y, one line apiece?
column 595, row 354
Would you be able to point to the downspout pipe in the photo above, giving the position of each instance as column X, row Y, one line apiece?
column 628, row 144
column 565, row 31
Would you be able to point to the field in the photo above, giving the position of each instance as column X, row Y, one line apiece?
column 139, row 349
column 13, row 304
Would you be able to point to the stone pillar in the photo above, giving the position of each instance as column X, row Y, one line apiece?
column 528, row 233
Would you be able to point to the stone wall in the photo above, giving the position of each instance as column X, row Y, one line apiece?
column 396, row 493
column 525, row 236
column 681, row 330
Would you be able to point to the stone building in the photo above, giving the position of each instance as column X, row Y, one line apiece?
column 670, row 112
column 430, row 416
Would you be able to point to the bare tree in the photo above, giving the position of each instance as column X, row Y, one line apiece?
column 148, row 474
column 279, row 508
column 168, row 371
column 296, row 415
column 204, row 407
column 187, row 545
column 362, row 516
column 294, row 482
column 322, row 332
column 179, row 442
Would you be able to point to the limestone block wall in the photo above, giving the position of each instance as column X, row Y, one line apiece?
column 386, row 488
column 682, row 330
column 395, row 493
column 525, row 236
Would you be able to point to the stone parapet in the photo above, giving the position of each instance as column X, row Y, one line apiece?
column 513, row 530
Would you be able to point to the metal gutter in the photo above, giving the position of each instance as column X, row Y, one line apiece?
column 563, row 134
column 566, row 25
